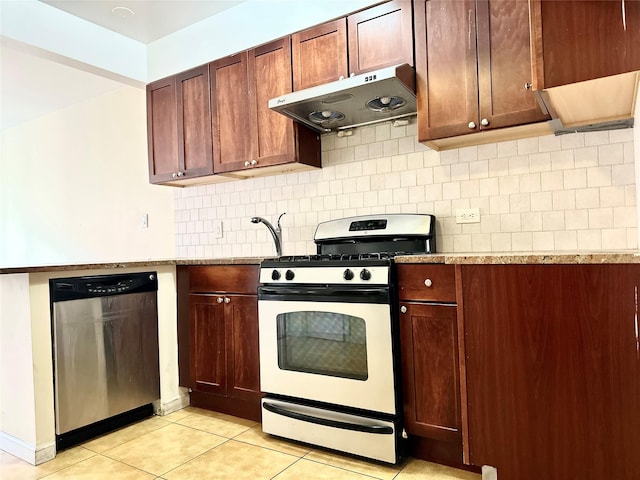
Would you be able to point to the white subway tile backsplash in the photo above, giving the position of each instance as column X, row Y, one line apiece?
column 572, row 192
column 549, row 143
column 596, row 138
column 611, row 154
column 623, row 174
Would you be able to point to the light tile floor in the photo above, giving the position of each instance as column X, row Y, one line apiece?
column 196, row 444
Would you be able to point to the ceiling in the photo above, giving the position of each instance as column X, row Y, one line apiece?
column 143, row 20
column 23, row 94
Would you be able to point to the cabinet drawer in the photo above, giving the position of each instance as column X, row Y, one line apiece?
column 224, row 278
column 427, row 282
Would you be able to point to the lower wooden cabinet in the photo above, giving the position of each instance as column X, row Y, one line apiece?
column 430, row 356
column 218, row 338
column 553, row 370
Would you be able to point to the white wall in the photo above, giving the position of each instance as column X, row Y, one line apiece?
column 17, row 398
column 566, row 193
column 260, row 21
column 74, row 184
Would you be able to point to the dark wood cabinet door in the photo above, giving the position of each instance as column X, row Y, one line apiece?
column 577, row 40
column 430, row 371
column 446, row 73
column 270, row 76
column 194, row 122
column 319, row 54
column 553, row 370
column 380, row 36
column 162, row 131
column 243, row 360
column 207, row 343
column 504, row 65
column 231, row 113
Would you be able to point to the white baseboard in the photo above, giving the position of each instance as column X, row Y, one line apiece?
column 489, row 473
column 165, row 408
column 35, row 455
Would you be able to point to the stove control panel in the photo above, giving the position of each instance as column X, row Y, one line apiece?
column 372, row 275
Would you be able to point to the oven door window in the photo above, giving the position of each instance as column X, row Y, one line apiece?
column 323, row 343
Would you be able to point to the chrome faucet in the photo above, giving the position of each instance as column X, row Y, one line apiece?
column 276, row 233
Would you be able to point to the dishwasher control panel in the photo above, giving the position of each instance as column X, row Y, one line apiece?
column 74, row 288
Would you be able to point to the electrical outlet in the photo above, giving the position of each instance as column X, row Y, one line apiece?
column 468, row 215
column 144, row 220
column 217, row 228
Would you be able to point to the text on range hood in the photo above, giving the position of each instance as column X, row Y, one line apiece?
column 373, row 97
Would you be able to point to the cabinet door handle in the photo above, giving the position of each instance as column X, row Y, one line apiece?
column 527, row 85
column 219, row 300
column 246, row 163
column 624, row 16
column 472, row 125
column 403, row 309
column 227, row 299
column 254, row 162
column 428, row 283
column 484, row 122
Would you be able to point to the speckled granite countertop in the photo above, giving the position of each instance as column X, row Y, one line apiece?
column 506, row 258
column 522, row 258
column 142, row 263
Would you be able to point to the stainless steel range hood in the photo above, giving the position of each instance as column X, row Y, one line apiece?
column 373, row 97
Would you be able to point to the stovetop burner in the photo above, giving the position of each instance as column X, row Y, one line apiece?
column 326, row 257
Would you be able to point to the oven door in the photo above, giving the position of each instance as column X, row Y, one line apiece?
column 328, row 344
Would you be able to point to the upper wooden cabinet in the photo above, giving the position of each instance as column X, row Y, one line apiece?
column 319, row 54
column 578, row 40
column 586, row 60
column 380, row 36
column 178, row 127
column 249, row 138
column 371, row 39
column 473, row 67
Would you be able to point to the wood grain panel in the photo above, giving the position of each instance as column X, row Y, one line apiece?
column 429, row 342
column 411, row 284
column 446, row 68
column 162, row 130
column 224, row 278
column 208, row 362
column 243, row 367
column 380, row 36
column 194, row 122
column 504, row 64
column 319, row 54
column 587, row 39
column 231, row 113
column 270, row 70
column 553, row 370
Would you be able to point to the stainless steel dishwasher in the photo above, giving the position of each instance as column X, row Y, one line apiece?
column 105, row 352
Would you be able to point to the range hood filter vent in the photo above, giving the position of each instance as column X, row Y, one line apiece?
column 326, row 117
column 385, row 104
column 365, row 99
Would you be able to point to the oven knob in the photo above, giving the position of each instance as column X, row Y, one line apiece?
column 365, row 274
column 289, row 275
column 347, row 275
column 275, row 275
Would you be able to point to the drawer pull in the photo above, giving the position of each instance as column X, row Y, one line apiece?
column 403, row 309
column 428, row 283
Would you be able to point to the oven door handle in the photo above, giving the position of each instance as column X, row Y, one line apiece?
column 377, row 429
